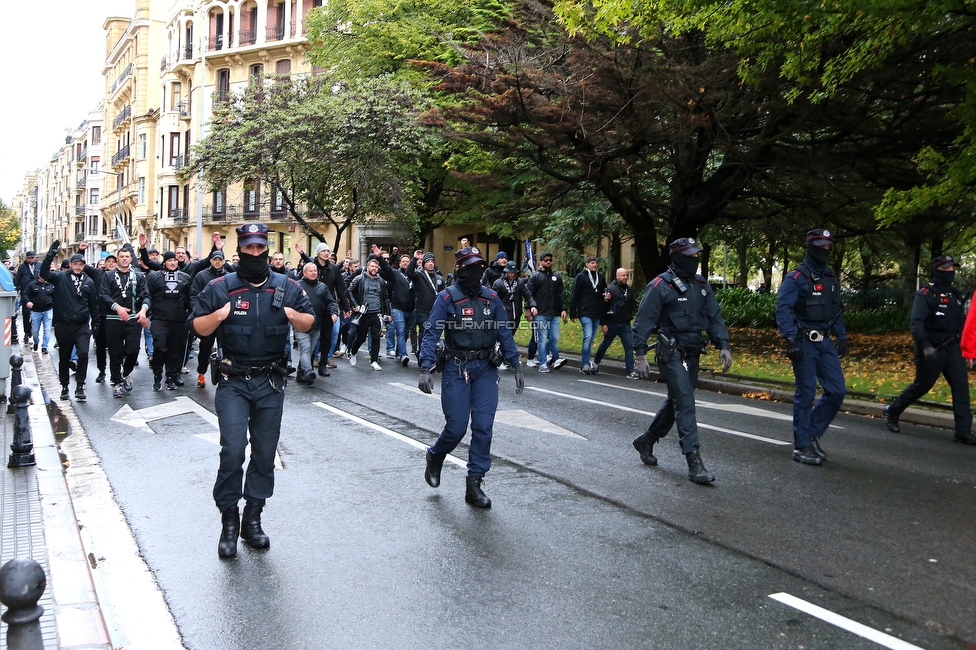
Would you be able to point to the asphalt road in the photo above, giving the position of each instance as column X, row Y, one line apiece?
column 584, row 547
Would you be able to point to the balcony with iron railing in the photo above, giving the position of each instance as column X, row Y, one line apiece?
column 183, row 108
column 216, row 43
column 122, row 117
column 179, row 215
column 275, row 33
column 178, row 162
column 163, row 64
column 188, row 51
column 247, row 37
column 82, row 157
column 81, row 180
column 121, row 78
column 122, row 155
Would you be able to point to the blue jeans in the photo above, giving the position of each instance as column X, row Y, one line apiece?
column 147, row 335
column 590, row 327
column 819, row 363
column 626, row 334
column 548, row 331
column 39, row 318
column 396, row 332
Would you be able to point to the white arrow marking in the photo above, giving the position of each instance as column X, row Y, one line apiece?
column 619, row 407
column 517, row 418
column 179, row 406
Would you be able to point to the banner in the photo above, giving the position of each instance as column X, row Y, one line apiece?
column 529, row 260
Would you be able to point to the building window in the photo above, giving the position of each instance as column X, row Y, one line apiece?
column 142, row 189
column 174, row 202
column 283, row 68
column 256, row 74
column 250, row 196
column 96, row 136
column 175, row 96
column 93, row 196
column 94, row 164
column 223, row 84
column 218, row 201
column 143, row 143
column 175, row 159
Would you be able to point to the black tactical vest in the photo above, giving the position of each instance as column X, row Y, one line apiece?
column 473, row 324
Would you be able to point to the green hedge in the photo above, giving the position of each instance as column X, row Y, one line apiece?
column 746, row 308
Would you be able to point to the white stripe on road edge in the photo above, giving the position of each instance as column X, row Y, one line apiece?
column 844, row 623
column 390, row 432
column 733, row 432
column 517, row 418
column 731, row 408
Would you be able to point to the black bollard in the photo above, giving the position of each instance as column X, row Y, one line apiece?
column 22, row 583
column 16, row 361
column 23, row 444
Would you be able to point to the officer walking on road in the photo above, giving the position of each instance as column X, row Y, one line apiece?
column 678, row 304
column 937, row 325
column 473, row 320
column 808, row 310
column 252, row 309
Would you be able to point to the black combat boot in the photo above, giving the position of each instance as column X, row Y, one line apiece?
column 433, row 472
column 807, row 456
column 251, row 531
column 891, row 420
column 645, row 448
column 696, row 469
column 474, row 494
column 324, row 369
column 230, row 519
column 965, row 437
column 817, row 449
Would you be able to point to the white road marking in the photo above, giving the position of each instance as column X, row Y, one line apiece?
column 179, row 406
column 844, row 623
column 518, row 417
column 390, row 432
column 619, row 407
column 731, row 408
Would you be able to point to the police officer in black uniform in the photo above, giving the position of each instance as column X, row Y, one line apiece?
column 473, row 320
column 808, row 311
column 936, row 325
column 678, row 304
column 252, row 309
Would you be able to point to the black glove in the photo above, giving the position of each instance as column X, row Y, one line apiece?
column 426, row 382
column 55, row 247
column 930, row 354
column 841, row 347
column 519, row 379
column 726, row 357
column 793, row 350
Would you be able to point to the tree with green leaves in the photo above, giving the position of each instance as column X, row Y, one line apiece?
column 9, row 228
column 334, row 152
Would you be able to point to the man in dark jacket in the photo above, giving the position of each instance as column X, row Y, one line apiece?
column 427, row 283
column 368, row 294
column 617, row 314
column 330, row 274
column 586, row 304
column 124, row 293
column 216, row 270
column 27, row 272
column 546, row 287
column 495, row 270
column 514, row 293
column 75, row 303
column 169, row 293
column 326, row 313
column 402, row 302
column 39, row 298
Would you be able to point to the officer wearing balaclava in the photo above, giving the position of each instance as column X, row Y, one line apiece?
column 808, row 311
column 936, row 326
column 679, row 304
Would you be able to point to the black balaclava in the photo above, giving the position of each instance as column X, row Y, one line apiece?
column 817, row 257
column 253, row 268
column 943, row 278
column 469, row 277
column 684, row 266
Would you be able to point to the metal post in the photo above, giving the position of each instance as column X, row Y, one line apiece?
column 16, row 361
column 22, row 582
column 23, row 444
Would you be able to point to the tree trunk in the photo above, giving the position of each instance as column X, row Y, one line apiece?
column 705, row 260
column 742, row 249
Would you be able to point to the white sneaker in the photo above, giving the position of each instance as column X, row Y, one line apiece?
column 503, row 366
column 376, row 365
column 390, row 354
column 352, row 359
column 633, row 375
column 558, row 363
column 340, row 351
column 544, row 368
column 594, row 368
column 532, row 363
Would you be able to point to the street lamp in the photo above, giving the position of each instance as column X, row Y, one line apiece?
column 118, row 215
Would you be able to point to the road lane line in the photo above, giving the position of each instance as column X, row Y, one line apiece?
column 390, row 432
column 731, row 408
column 844, row 623
column 619, row 407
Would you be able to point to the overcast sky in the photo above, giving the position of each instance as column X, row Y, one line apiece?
column 54, row 53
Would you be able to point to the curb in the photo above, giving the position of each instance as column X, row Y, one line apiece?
column 77, row 612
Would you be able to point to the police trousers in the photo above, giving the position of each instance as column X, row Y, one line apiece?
column 950, row 364
column 477, row 399
column 681, row 377
column 247, row 406
column 820, row 363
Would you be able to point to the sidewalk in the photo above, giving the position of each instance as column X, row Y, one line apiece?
column 39, row 522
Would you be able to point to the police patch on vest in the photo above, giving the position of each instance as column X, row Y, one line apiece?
column 467, row 311
column 818, row 287
column 242, row 304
